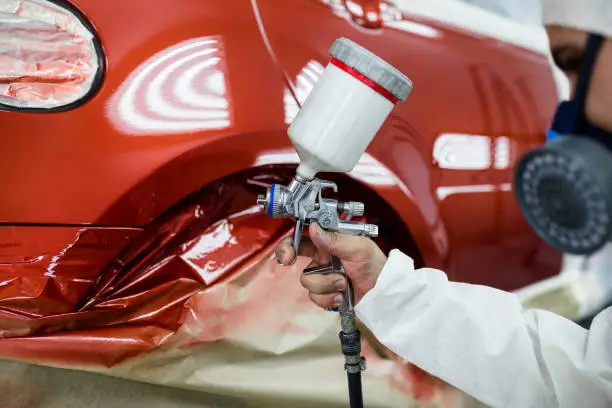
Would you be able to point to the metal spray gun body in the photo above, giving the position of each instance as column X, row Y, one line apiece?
column 303, row 200
column 349, row 103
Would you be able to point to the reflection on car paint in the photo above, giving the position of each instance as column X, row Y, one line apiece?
column 180, row 89
column 304, row 82
column 414, row 28
column 367, row 170
column 443, row 192
column 378, row 14
column 454, row 151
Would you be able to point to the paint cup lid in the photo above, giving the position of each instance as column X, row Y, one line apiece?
column 371, row 66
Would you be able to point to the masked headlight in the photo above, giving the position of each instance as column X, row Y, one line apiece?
column 50, row 59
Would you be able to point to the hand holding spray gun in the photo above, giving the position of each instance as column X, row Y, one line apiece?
column 339, row 119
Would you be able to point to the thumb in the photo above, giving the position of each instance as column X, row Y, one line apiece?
column 332, row 242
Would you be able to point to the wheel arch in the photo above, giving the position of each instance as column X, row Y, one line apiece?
column 403, row 223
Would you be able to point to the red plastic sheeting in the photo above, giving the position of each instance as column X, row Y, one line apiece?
column 194, row 293
column 59, row 284
column 45, row 271
column 47, row 57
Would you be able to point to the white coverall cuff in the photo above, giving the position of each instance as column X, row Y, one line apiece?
column 396, row 276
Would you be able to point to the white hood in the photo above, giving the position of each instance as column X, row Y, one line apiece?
column 587, row 15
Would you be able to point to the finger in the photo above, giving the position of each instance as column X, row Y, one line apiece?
column 334, row 243
column 321, row 284
column 327, row 301
column 285, row 253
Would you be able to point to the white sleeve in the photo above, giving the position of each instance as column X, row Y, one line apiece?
column 481, row 340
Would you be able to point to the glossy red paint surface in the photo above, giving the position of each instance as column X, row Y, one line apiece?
column 122, row 193
column 476, row 107
column 105, row 163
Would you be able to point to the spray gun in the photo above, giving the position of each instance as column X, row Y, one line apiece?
column 348, row 105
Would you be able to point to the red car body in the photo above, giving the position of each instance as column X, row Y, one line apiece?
column 104, row 200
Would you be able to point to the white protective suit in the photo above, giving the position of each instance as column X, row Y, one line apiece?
column 481, row 340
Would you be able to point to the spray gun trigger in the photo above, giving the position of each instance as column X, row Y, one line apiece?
column 335, row 266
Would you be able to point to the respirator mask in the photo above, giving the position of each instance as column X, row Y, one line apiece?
column 564, row 188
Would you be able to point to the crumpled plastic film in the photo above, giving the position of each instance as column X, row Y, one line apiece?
column 45, row 271
column 47, row 56
column 196, row 300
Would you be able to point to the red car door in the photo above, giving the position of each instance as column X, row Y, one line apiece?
column 453, row 142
